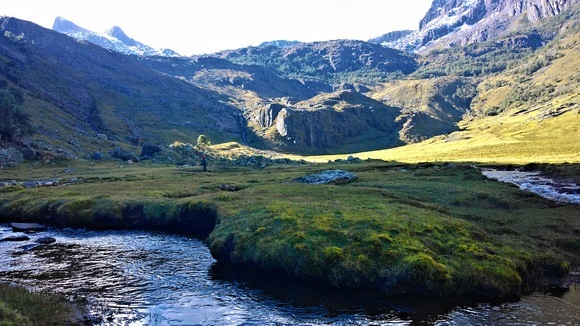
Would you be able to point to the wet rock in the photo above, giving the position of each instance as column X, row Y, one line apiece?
column 16, row 238
column 41, row 183
column 328, row 177
column 229, row 187
column 23, row 227
column 45, row 240
column 8, row 183
column 30, row 247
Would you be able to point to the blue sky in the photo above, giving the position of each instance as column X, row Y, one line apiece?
column 198, row 27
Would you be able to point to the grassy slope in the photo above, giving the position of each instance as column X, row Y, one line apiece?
column 498, row 139
column 429, row 230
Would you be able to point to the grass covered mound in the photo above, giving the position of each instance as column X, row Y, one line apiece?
column 422, row 229
column 19, row 307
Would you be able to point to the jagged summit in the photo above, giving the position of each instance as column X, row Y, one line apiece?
column 460, row 22
column 62, row 24
column 113, row 39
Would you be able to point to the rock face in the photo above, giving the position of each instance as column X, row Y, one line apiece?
column 464, row 21
column 328, row 120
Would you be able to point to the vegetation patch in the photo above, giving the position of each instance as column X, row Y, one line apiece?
column 423, row 229
column 18, row 306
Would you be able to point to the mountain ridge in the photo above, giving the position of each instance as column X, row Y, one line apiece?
column 461, row 22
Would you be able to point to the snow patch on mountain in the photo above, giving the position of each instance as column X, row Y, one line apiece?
column 113, row 39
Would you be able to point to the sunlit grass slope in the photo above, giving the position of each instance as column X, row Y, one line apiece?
column 517, row 139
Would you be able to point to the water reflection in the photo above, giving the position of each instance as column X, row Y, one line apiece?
column 145, row 278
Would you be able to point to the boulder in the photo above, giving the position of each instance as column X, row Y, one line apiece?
column 30, row 247
column 23, row 227
column 327, row 177
column 46, row 240
column 229, row 187
column 97, row 156
column 16, row 238
column 149, row 150
column 124, row 155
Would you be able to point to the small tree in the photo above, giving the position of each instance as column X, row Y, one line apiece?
column 203, row 141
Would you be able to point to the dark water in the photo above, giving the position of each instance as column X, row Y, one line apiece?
column 145, row 278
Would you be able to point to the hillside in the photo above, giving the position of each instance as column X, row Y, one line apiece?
column 82, row 98
column 528, row 113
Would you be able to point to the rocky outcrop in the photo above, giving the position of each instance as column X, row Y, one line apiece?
column 327, row 177
column 265, row 116
column 331, row 119
column 10, row 156
column 390, row 36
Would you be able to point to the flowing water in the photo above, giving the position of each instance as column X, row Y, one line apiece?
column 563, row 191
column 148, row 278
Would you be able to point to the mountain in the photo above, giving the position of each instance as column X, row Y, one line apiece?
column 461, row 22
column 328, row 61
column 337, row 96
column 113, row 39
column 82, row 98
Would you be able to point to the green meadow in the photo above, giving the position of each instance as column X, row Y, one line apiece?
column 430, row 229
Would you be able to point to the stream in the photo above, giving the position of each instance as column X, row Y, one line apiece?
column 149, row 278
column 563, row 191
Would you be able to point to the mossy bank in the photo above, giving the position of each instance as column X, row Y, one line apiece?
column 414, row 229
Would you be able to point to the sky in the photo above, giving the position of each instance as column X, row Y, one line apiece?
column 203, row 27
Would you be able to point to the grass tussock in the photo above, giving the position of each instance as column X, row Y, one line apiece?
column 20, row 307
column 427, row 229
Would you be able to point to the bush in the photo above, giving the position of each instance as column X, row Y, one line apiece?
column 202, row 140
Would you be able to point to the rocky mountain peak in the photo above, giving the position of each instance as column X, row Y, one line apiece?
column 113, row 39
column 459, row 22
column 118, row 33
column 63, row 25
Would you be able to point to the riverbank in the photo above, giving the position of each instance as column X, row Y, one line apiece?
column 414, row 229
column 19, row 306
